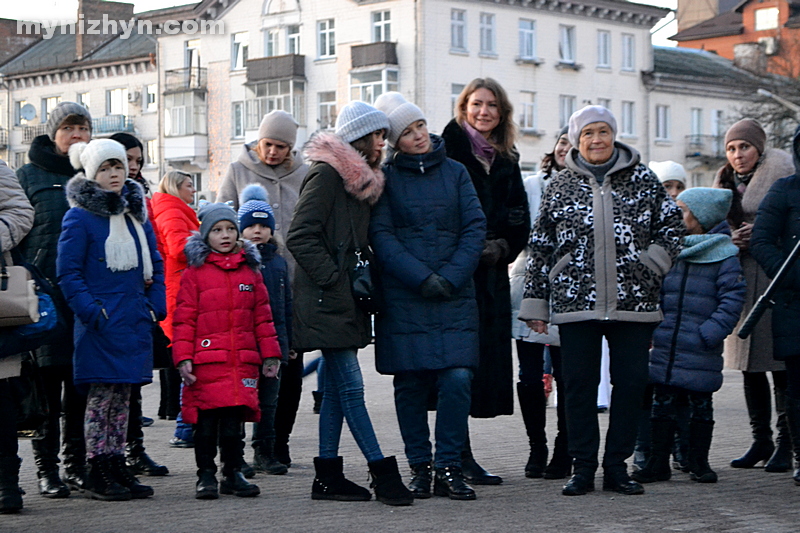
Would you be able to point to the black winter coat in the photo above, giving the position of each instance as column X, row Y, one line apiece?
column 275, row 271
column 775, row 232
column 505, row 204
column 44, row 180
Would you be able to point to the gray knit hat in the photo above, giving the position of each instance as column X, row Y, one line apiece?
column 62, row 111
column 589, row 115
column 210, row 214
column 400, row 112
column 89, row 156
column 278, row 125
column 358, row 119
column 709, row 205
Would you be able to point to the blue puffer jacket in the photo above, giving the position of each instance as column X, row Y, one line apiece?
column 701, row 302
column 428, row 220
column 275, row 272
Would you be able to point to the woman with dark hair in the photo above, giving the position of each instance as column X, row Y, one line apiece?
column 750, row 172
column 481, row 137
column 136, row 457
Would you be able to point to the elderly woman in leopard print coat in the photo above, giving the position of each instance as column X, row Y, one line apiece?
column 606, row 235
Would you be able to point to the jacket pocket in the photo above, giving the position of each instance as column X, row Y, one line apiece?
column 560, row 265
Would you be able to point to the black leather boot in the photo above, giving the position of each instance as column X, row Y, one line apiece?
column 473, row 472
column 75, row 462
column 330, row 483
column 45, row 453
column 50, row 485
column 533, row 405
column 421, row 479
column 759, row 408
column 231, row 451
column 264, row 459
column 700, row 434
column 781, row 460
column 124, row 477
column 662, row 437
column 388, row 484
column 141, row 463
column 793, row 423
column 10, row 492
column 234, row 482
column 206, row 487
column 449, row 482
column 560, row 465
column 101, row 483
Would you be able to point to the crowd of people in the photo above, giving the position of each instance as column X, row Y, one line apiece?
column 465, row 256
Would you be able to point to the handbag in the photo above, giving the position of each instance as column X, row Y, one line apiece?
column 19, row 304
column 32, row 408
column 363, row 279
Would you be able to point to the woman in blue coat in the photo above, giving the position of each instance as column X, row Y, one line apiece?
column 111, row 275
column 427, row 231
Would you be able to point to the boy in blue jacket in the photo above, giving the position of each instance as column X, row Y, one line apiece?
column 257, row 224
column 702, row 298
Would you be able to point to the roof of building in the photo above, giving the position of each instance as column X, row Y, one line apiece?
column 729, row 23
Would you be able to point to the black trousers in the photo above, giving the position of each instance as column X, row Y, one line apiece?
column 223, row 426
column 581, row 353
column 288, row 402
column 8, row 419
column 57, row 381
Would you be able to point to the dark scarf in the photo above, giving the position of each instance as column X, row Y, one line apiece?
column 741, row 181
column 600, row 170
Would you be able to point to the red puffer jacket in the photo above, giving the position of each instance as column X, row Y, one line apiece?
column 223, row 324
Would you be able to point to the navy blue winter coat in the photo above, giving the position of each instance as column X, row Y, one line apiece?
column 275, row 272
column 429, row 220
column 114, row 312
column 702, row 303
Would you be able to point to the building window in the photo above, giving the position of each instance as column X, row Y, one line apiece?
column 151, row 98
column 192, row 53
column 18, row 120
column 117, row 102
column 271, row 43
column 455, row 92
column 527, row 117
column 662, row 123
column 697, row 121
column 367, row 86
column 381, row 26
column 458, row 30
column 286, row 95
column 48, row 104
column 566, row 44
column 527, row 39
column 566, row 107
column 85, row 100
column 327, row 110
column 326, row 37
column 241, row 41
column 293, row 39
column 237, row 119
column 20, row 159
column 603, row 49
column 628, row 52
column 151, row 153
column 628, row 126
column 766, row 18
column 185, row 114
column 487, row 34
column 605, row 102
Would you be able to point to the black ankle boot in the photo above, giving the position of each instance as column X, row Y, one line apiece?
column 330, row 483
column 662, row 437
column 264, row 460
column 10, row 492
column 206, row 487
column 473, row 472
column 101, row 484
column 124, row 477
column 234, row 482
column 449, row 482
column 388, row 484
column 781, row 460
column 533, row 405
column 700, row 434
column 141, row 463
column 421, row 479
column 50, row 485
column 560, row 466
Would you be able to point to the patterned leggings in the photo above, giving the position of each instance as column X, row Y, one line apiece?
column 665, row 403
column 106, row 421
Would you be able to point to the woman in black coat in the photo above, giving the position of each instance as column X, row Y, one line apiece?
column 775, row 233
column 481, row 137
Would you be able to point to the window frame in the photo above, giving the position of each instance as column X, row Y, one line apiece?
column 662, row 123
column 324, row 107
column 527, row 39
column 603, row 49
column 565, row 101
column 239, row 50
column 528, row 116
column 326, row 38
column 488, row 33
column 567, row 43
column 628, row 52
column 458, row 30
column 628, row 119
column 381, row 26
column 384, row 83
column 293, row 39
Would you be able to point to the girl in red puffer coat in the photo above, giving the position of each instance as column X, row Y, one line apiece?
column 223, row 337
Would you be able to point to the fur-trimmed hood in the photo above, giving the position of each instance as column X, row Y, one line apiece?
column 197, row 251
column 776, row 164
column 360, row 180
column 43, row 155
column 87, row 194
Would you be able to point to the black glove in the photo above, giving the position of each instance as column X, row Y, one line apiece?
column 493, row 251
column 435, row 286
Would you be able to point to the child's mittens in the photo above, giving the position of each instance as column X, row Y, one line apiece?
column 270, row 367
column 185, row 370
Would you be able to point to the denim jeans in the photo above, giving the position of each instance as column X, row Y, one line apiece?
column 264, row 430
column 183, row 430
column 343, row 399
column 411, row 392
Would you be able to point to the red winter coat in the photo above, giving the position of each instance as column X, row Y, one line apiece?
column 175, row 221
column 223, row 324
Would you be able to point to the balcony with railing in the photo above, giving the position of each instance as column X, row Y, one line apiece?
column 380, row 53
column 111, row 124
column 3, row 138
column 185, row 79
column 29, row 133
column 710, row 148
column 290, row 66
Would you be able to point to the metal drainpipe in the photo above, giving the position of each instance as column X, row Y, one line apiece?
column 647, row 91
column 417, row 56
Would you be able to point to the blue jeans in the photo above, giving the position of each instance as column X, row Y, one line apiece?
column 264, row 430
column 183, row 430
column 343, row 398
column 411, row 392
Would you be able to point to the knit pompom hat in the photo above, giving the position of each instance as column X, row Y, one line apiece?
column 709, row 205
column 358, row 119
column 62, row 111
column 400, row 112
column 748, row 130
column 89, row 156
column 210, row 214
column 254, row 208
column 278, row 125
column 668, row 171
column 589, row 115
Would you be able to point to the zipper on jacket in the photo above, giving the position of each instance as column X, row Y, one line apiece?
column 421, row 167
column 233, row 339
column 673, row 345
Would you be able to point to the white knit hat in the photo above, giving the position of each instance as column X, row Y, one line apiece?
column 89, row 156
column 358, row 119
column 401, row 114
column 589, row 115
column 668, row 171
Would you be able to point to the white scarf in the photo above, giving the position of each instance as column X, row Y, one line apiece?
column 121, row 249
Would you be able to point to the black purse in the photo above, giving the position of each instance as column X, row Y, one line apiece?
column 364, row 283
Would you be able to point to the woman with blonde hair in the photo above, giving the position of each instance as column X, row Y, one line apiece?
column 481, row 137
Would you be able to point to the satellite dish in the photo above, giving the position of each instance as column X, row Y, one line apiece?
column 28, row 112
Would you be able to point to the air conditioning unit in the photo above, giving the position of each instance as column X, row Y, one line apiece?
column 770, row 45
column 134, row 97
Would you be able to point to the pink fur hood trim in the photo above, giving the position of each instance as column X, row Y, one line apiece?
column 360, row 180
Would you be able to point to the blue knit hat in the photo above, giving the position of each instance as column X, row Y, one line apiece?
column 709, row 205
column 254, row 208
column 210, row 214
column 358, row 119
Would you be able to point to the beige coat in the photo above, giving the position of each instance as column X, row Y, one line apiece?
column 754, row 354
